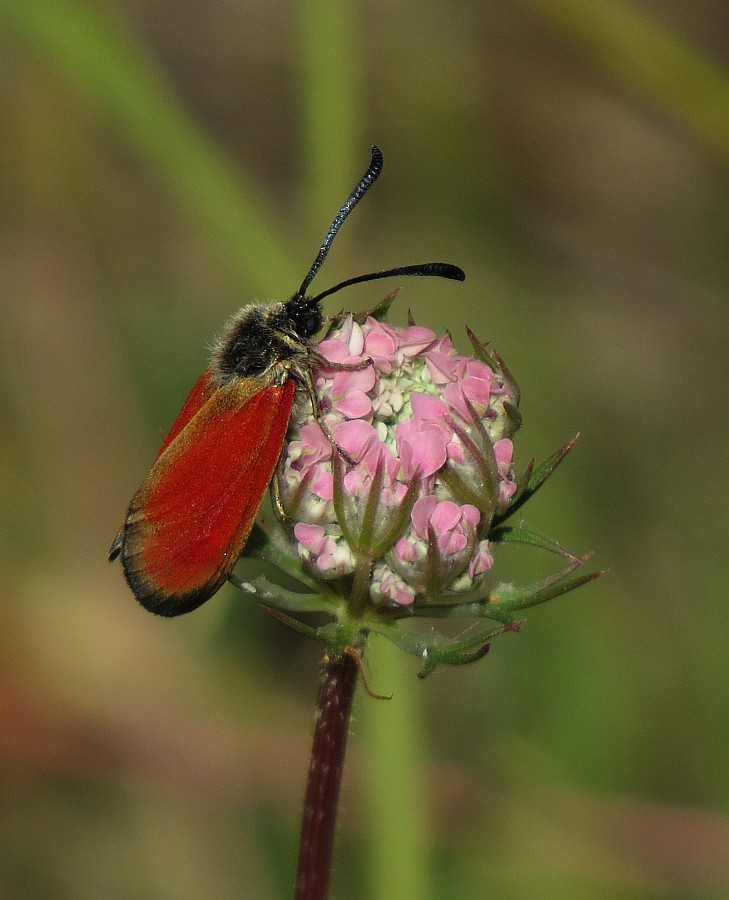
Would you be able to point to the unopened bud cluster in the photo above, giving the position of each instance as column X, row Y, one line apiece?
column 426, row 464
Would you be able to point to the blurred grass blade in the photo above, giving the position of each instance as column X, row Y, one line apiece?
column 397, row 797
column 116, row 77
column 329, row 51
column 649, row 58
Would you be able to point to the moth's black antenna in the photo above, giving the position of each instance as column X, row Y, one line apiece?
column 365, row 183
column 437, row 269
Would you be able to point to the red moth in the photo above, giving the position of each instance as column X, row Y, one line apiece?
column 189, row 521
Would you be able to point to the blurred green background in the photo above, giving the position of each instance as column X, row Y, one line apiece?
column 163, row 163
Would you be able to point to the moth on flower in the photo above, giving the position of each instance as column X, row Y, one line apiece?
column 188, row 523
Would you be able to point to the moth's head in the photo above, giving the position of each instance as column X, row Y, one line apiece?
column 303, row 316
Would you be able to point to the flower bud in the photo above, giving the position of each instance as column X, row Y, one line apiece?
column 422, row 462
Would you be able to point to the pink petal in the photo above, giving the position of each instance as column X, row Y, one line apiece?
column 311, row 537
column 322, row 485
column 414, row 340
column 453, row 395
column 444, row 345
column 314, row 441
column 333, row 350
column 406, row 551
column 374, row 326
column 470, row 514
column 478, row 390
column 455, row 451
column 354, row 337
column 423, row 452
column 446, row 516
column 387, row 459
column 355, row 405
column 473, row 392
column 390, row 586
column 503, row 451
column 442, row 368
column 428, row 408
column 345, row 341
column 353, row 380
column 327, row 561
column 452, row 543
column 421, row 513
column 379, row 345
column 407, row 430
column 478, row 369
column 403, row 597
column 395, row 494
column 355, row 437
column 482, row 560
column 405, row 451
column 356, row 482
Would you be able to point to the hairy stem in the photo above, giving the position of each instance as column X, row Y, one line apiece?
column 336, row 690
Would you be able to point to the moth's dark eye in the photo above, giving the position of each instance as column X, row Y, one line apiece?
column 313, row 321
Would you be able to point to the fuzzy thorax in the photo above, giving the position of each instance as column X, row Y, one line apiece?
column 267, row 340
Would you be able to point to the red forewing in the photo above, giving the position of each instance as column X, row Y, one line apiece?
column 188, row 523
column 194, row 403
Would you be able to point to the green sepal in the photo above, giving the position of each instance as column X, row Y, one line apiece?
column 505, row 534
column 505, row 599
column 481, row 351
column 339, row 636
column 365, row 530
column 398, row 520
column 513, row 418
column 496, row 363
column 508, row 598
column 380, row 311
column 451, row 656
column 536, row 480
column 522, row 482
column 443, row 607
column 316, row 633
column 260, row 545
column 442, row 651
column 509, row 380
column 480, row 451
column 268, row 593
column 369, row 513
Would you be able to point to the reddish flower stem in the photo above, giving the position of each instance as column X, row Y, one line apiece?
column 336, row 691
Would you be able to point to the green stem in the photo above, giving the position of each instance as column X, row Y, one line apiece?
column 360, row 593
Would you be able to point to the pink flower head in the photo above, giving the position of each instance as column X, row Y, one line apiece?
column 410, row 424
